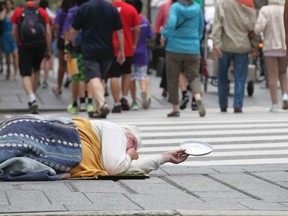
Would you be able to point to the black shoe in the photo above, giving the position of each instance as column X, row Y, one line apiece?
column 117, row 109
column 223, row 109
column 173, row 114
column 237, row 110
column 194, row 106
column 184, row 102
column 33, row 107
column 124, row 104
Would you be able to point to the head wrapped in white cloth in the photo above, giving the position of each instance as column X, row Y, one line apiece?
column 135, row 131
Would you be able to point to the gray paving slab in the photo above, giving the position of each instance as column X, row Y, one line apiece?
column 29, row 200
column 166, row 201
column 253, row 186
column 97, row 186
column 3, row 199
column 106, row 202
column 187, row 170
column 263, row 205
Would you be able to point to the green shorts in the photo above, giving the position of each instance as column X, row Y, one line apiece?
column 81, row 75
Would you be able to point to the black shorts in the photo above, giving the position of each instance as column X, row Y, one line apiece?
column 116, row 70
column 30, row 58
column 60, row 44
column 95, row 69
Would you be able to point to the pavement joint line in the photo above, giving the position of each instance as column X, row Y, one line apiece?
column 266, row 180
column 135, row 203
column 126, row 187
column 232, row 187
column 177, row 212
column 71, row 187
column 185, row 190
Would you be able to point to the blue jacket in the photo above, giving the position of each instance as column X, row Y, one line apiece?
column 184, row 29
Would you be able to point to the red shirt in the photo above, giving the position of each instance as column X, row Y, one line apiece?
column 162, row 16
column 15, row 19
column 129, row 19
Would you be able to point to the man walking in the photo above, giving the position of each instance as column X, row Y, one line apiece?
column 131, row 26
column 31, row 31
column 97, row 47
column 232, row 24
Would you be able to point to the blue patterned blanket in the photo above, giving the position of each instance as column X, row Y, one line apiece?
column 37, row 148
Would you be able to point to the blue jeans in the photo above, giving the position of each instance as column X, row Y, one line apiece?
column 240, row 63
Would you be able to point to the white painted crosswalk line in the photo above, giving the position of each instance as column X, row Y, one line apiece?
column 253, row 138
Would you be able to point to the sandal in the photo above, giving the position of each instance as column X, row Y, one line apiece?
column 56, row 91
column 104, row 111
column 173, row 114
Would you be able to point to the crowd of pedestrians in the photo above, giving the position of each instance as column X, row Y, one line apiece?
column 94, row 54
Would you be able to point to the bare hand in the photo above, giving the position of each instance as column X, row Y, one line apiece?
column 162, row 41
column 67, row 57
column 176, row 157
column 218, row 52
column 121, row 58
column 133, row 154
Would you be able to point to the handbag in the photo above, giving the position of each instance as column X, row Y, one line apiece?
column 72, row 66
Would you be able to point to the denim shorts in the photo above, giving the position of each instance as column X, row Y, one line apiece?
column 96, row 69
column 139, row 72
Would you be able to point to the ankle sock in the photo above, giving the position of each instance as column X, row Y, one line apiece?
column 90, row 100
column 285, row 97
column 82, row 100
column 32, row 98
column 75, row 104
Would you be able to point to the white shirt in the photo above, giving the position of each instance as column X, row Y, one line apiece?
column 114, row 158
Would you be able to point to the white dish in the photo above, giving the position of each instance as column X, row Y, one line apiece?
column 196, row 148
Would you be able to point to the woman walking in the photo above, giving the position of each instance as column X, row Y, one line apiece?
column 270, row 22
column 181, row 37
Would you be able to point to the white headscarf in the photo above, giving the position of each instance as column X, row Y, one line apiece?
column 135, row 131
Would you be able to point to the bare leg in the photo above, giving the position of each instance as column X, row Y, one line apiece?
column 8, row 62
column 15, row 64
column 133, row 90
column 61, row 72
column 125, row 84
column 35, row 80
column 272, row 67
column 98, row 91
column 115, row 89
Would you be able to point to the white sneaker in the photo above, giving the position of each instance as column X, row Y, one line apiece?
column 274, row 108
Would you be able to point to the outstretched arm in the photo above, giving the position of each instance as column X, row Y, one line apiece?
column 148, row 164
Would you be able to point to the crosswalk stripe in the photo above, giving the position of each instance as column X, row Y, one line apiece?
column 251, row 138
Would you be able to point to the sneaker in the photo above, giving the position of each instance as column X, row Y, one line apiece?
column 72, row 109
column 45, row 85
column 134, row 106
column 89, row 107
column 33, row 107
column 274, row 108
column 201, row 108
column 83, row 107
column 145, row 101
column 285, row 104
column 238, row 110
column 184, row 102
column 117, row 109
column 173, row 114
column 124, row 104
